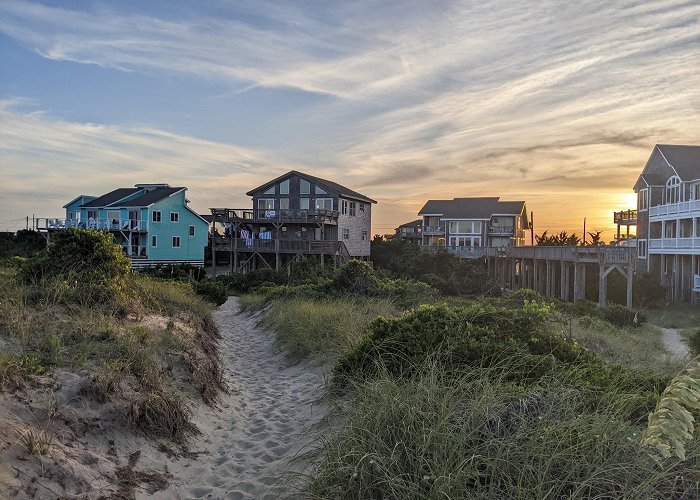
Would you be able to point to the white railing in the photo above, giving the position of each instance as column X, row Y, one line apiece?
column 675, row 243
column 463, row 252
column 697, row 283
column 45, row 224
column 430, row 230
column 507, row 230
column 684, row 208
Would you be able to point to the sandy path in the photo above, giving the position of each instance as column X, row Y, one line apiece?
column 249, row 441
column 674, row 342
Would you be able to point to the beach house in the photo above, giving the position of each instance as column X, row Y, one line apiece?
column 668, row 219
column 464, row 226
column 295, row 215
column 152, row 222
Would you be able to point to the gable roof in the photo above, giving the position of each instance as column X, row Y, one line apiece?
column 78, row 198
column 152, row 196
column 342, row 190
column 685, row 160
column 413, row 223
column 111, row 197
column 472, row 208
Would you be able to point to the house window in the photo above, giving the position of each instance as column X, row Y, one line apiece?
column 266, row 203
column 362, row 207
column 284, row 203
column 673, row 190
column 174, row 217
column 176, row 242
column 642, row 249
column 319, row 190
column 344, row 207
column 695, row 191
column 304, row 186
column 303, row 203
column 465, row 227
column 154, row 241
column 284, row 187
column 353, row 209
column 191, row 230
column 364, row 235
column 270, row 191
column 643, row 199
column 156, row 216
column 324, row 203
column 346, row 233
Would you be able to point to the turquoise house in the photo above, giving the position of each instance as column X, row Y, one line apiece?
column 152, row 222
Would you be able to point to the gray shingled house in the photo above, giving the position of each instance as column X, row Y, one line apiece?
column 465, row 226
column 668, row 219
column 297, row 215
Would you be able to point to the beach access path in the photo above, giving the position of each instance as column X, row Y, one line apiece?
column 248, row 442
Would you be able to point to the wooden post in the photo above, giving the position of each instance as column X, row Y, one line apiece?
column 213, row 247
column 548, row 279
column 602, row 282
column 630, row 278
column 579, row 281
column 564, row 281
column 535, row 277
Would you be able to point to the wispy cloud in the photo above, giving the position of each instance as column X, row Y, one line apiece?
column 456, row 98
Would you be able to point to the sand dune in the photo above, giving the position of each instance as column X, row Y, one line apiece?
column 248, row 442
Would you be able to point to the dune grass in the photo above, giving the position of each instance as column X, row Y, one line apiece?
column 635, row 348
column 435, row 435
column 325, row 328
column 50, row 323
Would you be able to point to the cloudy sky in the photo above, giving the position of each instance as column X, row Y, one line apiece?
column 557, row 103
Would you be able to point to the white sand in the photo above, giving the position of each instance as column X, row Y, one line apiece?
column 248, row 442
column 674, row 343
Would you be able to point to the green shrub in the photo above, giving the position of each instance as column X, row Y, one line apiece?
column 694, row 342
column 463, row 336
column 212, row 290
column 356, row 277
column 622, row 316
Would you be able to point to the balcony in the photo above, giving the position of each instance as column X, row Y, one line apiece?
column 502, row 230
column 296, row 216
column 296, row 246
column 625, row 217
column 696, row 288
column 682, row 209
column 674, row 244
column 461, row 252
column 122, row 225
column 434, row 230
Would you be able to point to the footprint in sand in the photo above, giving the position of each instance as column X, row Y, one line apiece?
column 247, row 447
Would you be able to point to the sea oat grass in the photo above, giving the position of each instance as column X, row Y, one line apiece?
column 324, row 327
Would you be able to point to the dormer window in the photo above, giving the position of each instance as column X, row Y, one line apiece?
column 673, row 190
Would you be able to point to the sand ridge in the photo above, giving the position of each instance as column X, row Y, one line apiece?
column 247, row 443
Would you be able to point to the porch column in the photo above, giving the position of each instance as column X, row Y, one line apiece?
column 534, row 274
column 548, row 279
column 564, row 281
column 602, row 284
column 630, row 278
column 579, row 281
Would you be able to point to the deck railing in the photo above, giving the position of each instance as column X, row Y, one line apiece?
column 433, row 230
column 504, row 230
column 463, row 252
column 125, row 225
column 314, row 247
column 675, row 243
column 625, row 217
column 300, row 216
column 684, row 208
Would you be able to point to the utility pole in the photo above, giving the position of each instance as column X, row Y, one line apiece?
column 27, row 223
column 584, row 231
column 532, row 228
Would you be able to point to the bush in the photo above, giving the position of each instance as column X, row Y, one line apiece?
column 694, row 342
column 92, row 255
column 356, row 277
column 463, row 336
column 623, row 317
column 212, row 290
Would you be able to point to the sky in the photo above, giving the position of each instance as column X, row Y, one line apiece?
column 556, row 103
